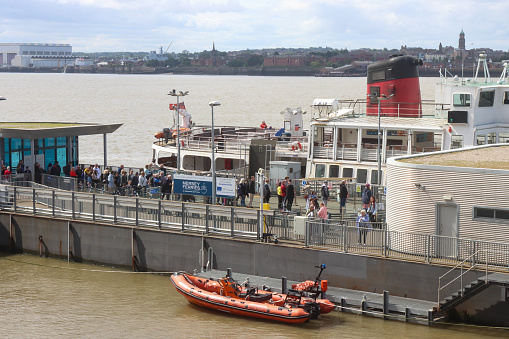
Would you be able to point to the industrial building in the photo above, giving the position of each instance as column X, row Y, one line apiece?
column 35, row 55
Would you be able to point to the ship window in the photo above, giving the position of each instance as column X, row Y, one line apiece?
column 481, row 139
column 503, row 137
column 362, row 175
column 374, row 177
column 506, row 98
column 347, row 172
column 486, row 99
column 456, row 141
column 378, row 75
column 461, row 100
column 334, row 171
column 492, row 138
column 320, row 171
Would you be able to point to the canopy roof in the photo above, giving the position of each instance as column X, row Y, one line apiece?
column 39, row 130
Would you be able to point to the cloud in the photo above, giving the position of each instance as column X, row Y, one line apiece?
column 127, row 25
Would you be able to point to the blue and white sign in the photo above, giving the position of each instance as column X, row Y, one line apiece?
column 197, row 185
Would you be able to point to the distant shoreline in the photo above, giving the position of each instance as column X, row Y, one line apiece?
column 224, row 70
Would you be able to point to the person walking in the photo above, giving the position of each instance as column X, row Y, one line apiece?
column 371, row 211
column 279, row 196
column 283, row 194
column 366, row 195
column 325, row 193
column 251, row 191
column 362, row 226
column 343, row 195
column 322, row 213
column 243, row 192
column 266, row 192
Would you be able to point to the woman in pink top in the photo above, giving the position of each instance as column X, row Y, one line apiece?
column 322, row 213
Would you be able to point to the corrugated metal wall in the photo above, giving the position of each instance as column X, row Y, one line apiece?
column 410, row 209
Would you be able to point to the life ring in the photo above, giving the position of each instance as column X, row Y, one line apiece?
column 296, row 146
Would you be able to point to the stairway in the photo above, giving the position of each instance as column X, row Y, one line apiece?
column 464, row 294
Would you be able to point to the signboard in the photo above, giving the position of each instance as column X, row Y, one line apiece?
column 196, row 185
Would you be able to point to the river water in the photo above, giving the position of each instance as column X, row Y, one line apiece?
column 47, row 298
column 141, row 102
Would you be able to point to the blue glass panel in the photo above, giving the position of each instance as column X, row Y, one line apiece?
column 39, row 143
column 26, row 153
column 61, row 141
column 15, row 144
column 6, row 145
column 49, row 156
column 62, row 156
column 26, row 143
column 49, row 142
column 15, row 157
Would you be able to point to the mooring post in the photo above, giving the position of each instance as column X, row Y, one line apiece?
column 229, row 272
column 284, row 285
column 430, row 317
column 183, row 217
column 386, row 305
column 407, row 314
column 363, row 305
column 343, row 304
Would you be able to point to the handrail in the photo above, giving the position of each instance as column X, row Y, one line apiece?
column 465, row 272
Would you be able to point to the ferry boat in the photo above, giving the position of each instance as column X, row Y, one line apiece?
column 239, row 151
column 344, row 136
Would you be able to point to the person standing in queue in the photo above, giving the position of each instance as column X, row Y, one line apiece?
column 343, row 195
column 290, row 195
column 251, row 191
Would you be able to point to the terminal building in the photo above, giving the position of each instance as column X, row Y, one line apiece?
column 35, row 55
column 46, row 142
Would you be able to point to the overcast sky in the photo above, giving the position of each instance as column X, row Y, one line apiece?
column 144, row 25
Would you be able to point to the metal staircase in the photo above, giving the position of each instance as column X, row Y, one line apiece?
column 473, row 288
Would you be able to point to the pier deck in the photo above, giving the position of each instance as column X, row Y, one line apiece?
column 346, row 300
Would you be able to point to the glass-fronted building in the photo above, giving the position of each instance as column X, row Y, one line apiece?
column 46, row 142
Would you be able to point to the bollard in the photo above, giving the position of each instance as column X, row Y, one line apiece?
column 40, row 245
column 229, row 272
column 407, row 314
column 343, row 304
column 386, row 305
column 284, row 286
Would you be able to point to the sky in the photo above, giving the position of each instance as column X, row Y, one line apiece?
column 192, row 25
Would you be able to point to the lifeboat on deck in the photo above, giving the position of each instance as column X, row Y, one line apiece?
column 228, row 296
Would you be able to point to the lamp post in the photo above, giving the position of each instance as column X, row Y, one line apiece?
column 213, row 167
column 178, row 94
column 379, row 151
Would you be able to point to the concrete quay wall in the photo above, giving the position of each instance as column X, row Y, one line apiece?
column 162, row 250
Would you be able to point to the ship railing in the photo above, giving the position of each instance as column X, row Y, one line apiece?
column 325, row 150
column 292, row 146
column 425, row 109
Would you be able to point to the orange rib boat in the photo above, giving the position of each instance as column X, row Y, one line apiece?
column 228, row 296
column 231, row 299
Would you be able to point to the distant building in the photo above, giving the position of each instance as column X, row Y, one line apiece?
column 35, row 55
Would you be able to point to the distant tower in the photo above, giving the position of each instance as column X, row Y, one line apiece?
column 440, row 48
column 214, row 46
column 462, row 40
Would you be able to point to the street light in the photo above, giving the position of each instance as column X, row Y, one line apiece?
column 379, row 155
column 212, row 104
column 178, row 94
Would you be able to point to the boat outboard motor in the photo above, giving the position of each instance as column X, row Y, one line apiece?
column 396, row 81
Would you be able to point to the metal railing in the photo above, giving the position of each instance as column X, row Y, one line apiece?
column 486, row 256
column 371, row 238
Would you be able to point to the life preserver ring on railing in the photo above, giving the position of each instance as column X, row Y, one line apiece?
column 296, row 146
